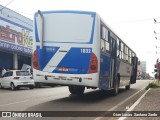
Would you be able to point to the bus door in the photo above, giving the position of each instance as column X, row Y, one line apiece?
column 113, row 61
column 134, row 69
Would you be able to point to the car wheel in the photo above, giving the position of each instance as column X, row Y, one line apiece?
column 12, row 86
column 1, row 86
column 37, row 85
column 31, row 87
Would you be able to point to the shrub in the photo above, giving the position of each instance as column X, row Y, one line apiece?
column 152, row 85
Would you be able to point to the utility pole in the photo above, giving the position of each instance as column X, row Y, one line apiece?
column 157, row 65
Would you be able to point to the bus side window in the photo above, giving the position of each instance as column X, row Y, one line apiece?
column 126, row 52
column 122, row 50
column 102, row 45
column 118, row 48
column 111, row 43
column 104, row 40
column 130, row 56
column 107, row 45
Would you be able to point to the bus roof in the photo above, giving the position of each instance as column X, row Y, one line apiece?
column 85, row 12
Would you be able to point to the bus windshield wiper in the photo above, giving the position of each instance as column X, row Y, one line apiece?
column 42, row 29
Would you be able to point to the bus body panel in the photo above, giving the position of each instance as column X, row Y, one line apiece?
column 68, row 62
column 125, row 71
column 67, row 53
column 105, row 71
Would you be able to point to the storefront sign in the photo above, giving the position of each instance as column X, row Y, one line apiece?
column 15, row 37
column 15, row 48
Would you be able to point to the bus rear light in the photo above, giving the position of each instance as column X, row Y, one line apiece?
column 75, row 77
column 31, row 77
column 16, row 78
column 93, row 68
column 89, row 78
column 35, row 60
column 49, row 76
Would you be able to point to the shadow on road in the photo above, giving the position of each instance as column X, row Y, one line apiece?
column 74, row 102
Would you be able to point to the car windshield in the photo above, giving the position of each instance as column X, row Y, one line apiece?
column 23, row 73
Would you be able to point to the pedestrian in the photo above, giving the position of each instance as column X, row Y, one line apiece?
column 3, row 71
column 28, row 69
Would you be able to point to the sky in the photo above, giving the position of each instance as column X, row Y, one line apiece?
column 133, row 20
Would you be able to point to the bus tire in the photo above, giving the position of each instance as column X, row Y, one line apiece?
column 115, row 87
column 77, row 90
column 127, row 87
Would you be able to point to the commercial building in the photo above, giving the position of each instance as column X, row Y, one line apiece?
column 143, row 66
column 141, row 72
column 16, row 37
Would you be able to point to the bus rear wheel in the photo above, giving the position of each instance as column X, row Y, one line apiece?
column 127, row 87
column 77, row 90
column 116, row 87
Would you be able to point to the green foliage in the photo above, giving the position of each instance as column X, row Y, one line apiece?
column 152, row 85
column 156, row 76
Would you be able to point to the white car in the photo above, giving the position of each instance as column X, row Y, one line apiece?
column 15, row 79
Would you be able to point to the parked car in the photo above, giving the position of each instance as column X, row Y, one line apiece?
column 15, row 79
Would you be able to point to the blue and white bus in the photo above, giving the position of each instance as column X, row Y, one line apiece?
column 77, row 49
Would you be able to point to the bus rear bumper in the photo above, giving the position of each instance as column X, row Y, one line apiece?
column 90, row 80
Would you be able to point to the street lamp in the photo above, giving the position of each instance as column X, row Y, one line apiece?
column 157, row 47
column 155, row 21
column 157, row 52
column 156, row 33
column 157, row 38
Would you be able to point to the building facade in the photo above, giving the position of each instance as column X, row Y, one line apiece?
column 16, row 37
column 141, row 72
column 143, row 66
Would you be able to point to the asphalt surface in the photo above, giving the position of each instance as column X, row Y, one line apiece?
column 59, row 99
column 149, row 106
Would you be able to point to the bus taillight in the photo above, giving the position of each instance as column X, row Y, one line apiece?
column 35, row 60
column 93, row 68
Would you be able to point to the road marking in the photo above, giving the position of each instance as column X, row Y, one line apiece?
column 13, row 103
column 134, row 105
column 111, row 109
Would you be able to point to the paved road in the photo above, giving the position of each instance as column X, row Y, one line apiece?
column 59, row 99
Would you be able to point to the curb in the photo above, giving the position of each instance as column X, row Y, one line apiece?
column 134, row 105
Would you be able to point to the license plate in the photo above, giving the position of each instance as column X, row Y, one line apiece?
column 63, row 69
column 25, row 82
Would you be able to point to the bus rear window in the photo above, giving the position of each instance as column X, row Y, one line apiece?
column 23, row 73
column 67, row 27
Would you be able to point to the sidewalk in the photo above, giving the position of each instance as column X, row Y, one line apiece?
column 150, row 102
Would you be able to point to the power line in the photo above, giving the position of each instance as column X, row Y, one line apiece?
column 130, row 21
column 20, row 20
column 24, row 12
column 6, row 5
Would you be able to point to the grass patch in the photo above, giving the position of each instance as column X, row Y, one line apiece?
column 152, row 85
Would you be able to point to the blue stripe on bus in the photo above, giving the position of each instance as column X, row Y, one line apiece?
column 75, row 61
column 67, row 11
column 45, row 54
column 105, row 65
